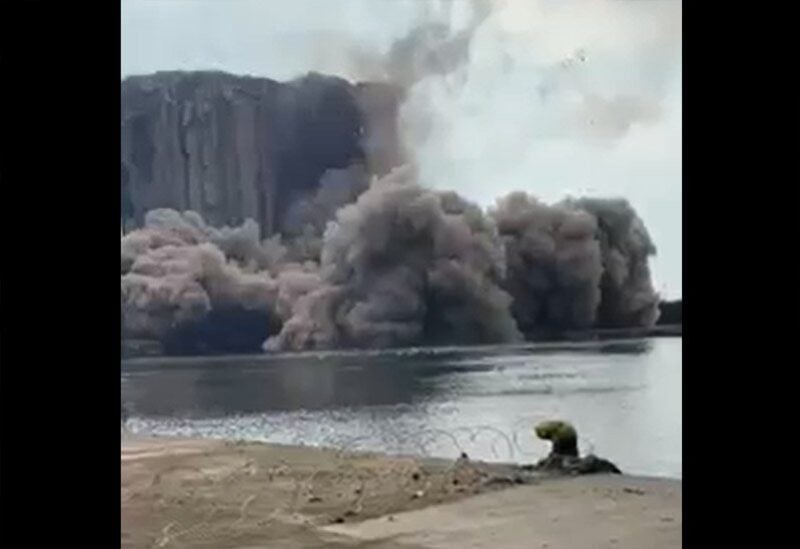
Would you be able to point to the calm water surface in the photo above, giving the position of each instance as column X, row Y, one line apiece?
column 624, row 397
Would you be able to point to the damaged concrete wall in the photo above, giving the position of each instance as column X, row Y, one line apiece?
column 233, row 147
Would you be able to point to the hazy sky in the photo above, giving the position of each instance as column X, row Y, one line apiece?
column 559, row 97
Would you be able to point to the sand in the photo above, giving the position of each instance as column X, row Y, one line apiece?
column 212, row 493
column 591, row 512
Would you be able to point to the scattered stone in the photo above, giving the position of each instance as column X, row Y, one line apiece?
column 415, row 476
column 314, row 499
column 593, row 464
column 636, row 491
column 418, row 494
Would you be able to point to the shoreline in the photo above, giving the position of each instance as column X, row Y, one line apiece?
column 133, row 350
column 182, row 492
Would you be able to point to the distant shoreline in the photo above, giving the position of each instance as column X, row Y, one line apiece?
column 141, row 348
column 664, row 330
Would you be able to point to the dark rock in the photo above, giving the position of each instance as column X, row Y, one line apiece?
column 572, row 465
column 593, row 464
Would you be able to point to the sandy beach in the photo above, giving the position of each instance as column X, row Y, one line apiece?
column 221, row 494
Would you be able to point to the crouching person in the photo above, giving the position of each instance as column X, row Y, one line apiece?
column 564, row 456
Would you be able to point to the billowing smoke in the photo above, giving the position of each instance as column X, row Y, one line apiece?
column 436, row 47
column 307, row 218
column 396, row 261
column 175, row 281
column 403, row 266
column 241, row 244
column 628, row 296
column 554, row 263
column 185, row 282
column 576, row 265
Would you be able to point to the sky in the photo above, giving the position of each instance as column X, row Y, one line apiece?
column 558, row 97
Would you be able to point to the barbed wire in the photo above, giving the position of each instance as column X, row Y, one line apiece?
column 462, row 440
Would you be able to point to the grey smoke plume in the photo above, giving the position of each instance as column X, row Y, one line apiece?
column 240, row 244
column 554, row 263
column 177, row 271
column 575, row 265
column 395, row 263
column 307, row 218
column 175, row 276
column 403, row 266
column 435, row 47
column 628, row 296
column 547, row 81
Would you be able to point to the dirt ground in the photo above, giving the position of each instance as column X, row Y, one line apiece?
column 182, row 493
column 207, row 493
column 586, row 512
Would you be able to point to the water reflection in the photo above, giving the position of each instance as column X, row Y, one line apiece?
column 625, row 398
column 212, row 390
column 211, row 387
